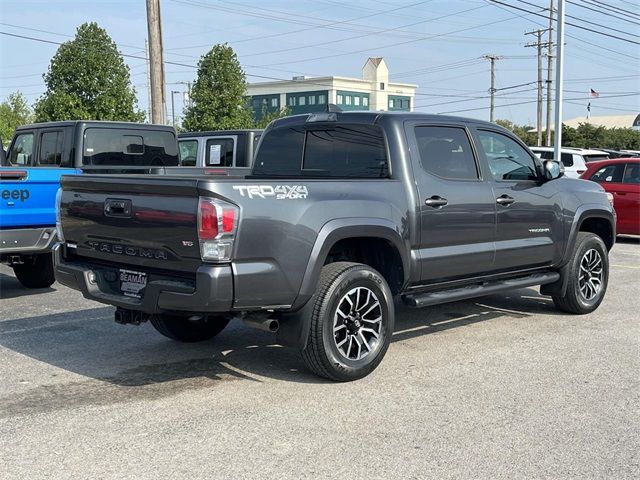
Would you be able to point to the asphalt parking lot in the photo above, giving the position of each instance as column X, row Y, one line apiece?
column 500, row 387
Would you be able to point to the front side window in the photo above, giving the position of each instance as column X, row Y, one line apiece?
column 188, row 151
column 507, row 159
column 446, row 152
column 219, row 152
column 609, row 174
column 632, row 173
column 22, row 150
column 50, row 149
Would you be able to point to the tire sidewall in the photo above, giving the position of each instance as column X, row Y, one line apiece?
column 590, row 242
column 357, row 277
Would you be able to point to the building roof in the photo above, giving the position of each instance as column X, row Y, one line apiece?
column 325, row 82
column 607, row 121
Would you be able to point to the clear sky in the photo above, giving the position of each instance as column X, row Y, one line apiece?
column 436, row 44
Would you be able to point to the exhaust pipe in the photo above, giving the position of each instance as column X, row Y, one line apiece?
column 261, row 322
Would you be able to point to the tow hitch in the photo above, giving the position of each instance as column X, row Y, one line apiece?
column 130, row 317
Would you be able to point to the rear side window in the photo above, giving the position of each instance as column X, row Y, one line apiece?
column 595, row 157
column 188, row 150
column 219, row 152
column 565, row 158
column 50, row 149
column 112, row 146
column 22, row 150
column 352, row 151
column 609, row 174
column 632, row 173
column 446, row 152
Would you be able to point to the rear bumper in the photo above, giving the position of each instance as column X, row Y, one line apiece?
column 212, row 290
column 27, row 240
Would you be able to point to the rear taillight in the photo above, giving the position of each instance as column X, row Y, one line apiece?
column 58, row 219
column 217, row 225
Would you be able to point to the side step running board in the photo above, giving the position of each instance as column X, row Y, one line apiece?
column 444, row 296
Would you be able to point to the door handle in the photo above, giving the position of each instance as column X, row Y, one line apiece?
column 505, row 200
column 436, row 202
column 620, row 193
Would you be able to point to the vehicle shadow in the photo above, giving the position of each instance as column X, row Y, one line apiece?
column 110, row 363
column 10, row 287
column 628, row 239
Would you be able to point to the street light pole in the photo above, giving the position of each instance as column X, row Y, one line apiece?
column 173, row 108
column 557, row 144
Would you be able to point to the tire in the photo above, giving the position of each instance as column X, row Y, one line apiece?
column 182, row 329
column 37, row 272
column 337, row 339
column 588, row 276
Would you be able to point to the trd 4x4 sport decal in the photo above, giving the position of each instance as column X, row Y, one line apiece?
column 281, row 192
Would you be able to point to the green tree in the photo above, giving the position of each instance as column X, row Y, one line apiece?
column 14, row 111
column 267, row 117
column 88, row 79
column 522, row 131
column 218, row 95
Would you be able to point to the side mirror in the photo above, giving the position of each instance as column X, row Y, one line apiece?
column 553, row 169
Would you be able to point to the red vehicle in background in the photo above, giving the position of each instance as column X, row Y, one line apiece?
column 620, row 177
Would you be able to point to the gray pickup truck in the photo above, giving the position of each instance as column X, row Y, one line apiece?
column 343, row 214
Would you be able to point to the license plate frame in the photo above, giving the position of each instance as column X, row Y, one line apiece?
column 132, row 283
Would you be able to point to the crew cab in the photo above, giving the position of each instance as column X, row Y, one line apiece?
column 341, row 214
column 221, row 152
column 39, row 155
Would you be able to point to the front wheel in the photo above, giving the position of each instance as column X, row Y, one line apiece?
column 183, row 329
column 351, row 322
column 588, row 273
column 36, row 272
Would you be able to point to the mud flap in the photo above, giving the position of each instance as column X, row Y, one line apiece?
column 294, row 327
column 558, row 288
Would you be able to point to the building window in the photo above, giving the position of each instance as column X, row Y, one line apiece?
column 312, row 99
column 365, row 102
column 356, row 101
column 348, row 99
column 274, row 102
column 292, row 101
column 302, row 101
column 321, row 99
column 391, row 103
column 256, row 103
column 339, row 99
column 381, row 85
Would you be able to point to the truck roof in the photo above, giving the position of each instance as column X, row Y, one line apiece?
column 366, row 116
column 219, row 133
column 96, row 123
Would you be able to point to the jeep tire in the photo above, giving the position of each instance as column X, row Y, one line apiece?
column 352, row 320
column 36, row 272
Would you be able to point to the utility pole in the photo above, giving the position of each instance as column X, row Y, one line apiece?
column 146, row 54
column 492, row 90
column 157, row 64
column 538, row 33
column 549, row 71
column 557, row 144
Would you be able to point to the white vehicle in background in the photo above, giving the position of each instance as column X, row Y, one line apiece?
column 574, row 159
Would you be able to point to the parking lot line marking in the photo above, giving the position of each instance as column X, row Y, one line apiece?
column 625, row 266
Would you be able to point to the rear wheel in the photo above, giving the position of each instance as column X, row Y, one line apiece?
column 183, row 329
column 588, row 276
column 36, row 272
column 351, row 322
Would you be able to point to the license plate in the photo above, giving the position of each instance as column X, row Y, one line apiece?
column 132, row 283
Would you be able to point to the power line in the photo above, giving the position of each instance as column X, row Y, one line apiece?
column 569, row 23
column 613, row 8
column 608, row 14
column 581, row 19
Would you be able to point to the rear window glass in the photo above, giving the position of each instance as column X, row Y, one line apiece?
column 134, row 148
column 50, row 148
column 219, row 152
column 632, row 173
column 353, row 151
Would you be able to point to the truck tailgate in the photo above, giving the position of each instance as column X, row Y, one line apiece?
column 27, row 196
column 132, row 220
